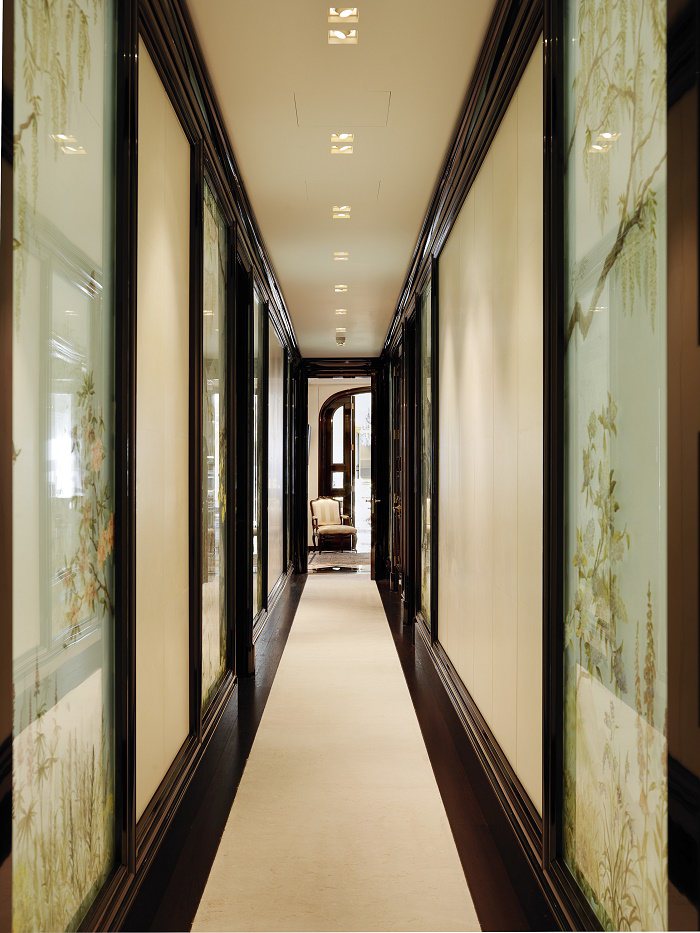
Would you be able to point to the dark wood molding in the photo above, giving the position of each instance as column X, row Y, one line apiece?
column 243, row 459
column 510, row 39
column 684, row 830
column 318, row 368
column 126, row 267
column 6, row 462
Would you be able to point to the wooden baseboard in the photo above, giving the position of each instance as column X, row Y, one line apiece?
column 563, row 898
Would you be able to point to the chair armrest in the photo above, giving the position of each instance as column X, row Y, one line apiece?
column 342, row 519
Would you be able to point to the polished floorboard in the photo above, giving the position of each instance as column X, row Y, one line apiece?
column 338, row 823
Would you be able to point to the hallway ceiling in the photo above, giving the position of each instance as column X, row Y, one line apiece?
column 283, row 90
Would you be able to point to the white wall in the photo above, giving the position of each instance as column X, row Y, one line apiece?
column 319, row 391
column 275, row 460
column 490, row 430
column 162, row 442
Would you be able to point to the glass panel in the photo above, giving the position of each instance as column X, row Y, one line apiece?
column 63, row 478
column 363, row 471
column 426, row 473
column 338, row 447
column 338, row 479
column 258, row 317
column 615, row 772
column 213, row 449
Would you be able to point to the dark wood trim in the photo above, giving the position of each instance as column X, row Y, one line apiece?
column 301, row 466
column 264, row 452
column 317, row 368
column 6, row 462
column 243, row 459
column 553, row 436
column 126, row 263
column 196, row 338
column 510, row 39
column 684, row 830
column 434, row 442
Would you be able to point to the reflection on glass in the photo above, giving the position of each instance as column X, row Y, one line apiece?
column 258, row 320
column 63, row 506
column 426, row 434
column 213, row 448
column 615, row 771
column 338, row 448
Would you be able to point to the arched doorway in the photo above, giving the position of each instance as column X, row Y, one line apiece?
column 345, row 457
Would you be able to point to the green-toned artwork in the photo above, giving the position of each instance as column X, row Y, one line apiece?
column 426, row 435
column 63, row 502
column 615, row 775
column 213, row 448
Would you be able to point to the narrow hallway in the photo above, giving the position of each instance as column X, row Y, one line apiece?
column 338, row 823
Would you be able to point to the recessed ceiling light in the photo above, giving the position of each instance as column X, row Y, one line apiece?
column 342, row 36
column 343, row 149
column 343, row 14
column 342, row 137
column 341, row 212
column 341, row 330
column 341, row 312
column 341, row 255
column 340, row 289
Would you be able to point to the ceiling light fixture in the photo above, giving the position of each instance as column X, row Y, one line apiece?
column 342, row 137
column 343, row 36
column 341, row 312
column 340, row 289
column 341, row 212
column 341, row 256
column 343, row 14
column 344, row 149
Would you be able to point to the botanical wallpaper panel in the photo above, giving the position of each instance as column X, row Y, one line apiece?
column 615, row 772
column 63, row 505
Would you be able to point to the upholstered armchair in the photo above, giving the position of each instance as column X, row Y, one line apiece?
column 329, row 526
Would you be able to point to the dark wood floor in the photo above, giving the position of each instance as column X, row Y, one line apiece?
column 505, row 895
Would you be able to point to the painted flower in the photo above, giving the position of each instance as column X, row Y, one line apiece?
column 97, row 454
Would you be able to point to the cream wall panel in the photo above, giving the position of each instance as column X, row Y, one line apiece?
column 275, row 499
column 162, row 442
column 490, row 422
column 530, row 438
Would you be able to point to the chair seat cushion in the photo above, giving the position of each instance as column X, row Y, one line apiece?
column 336, row 530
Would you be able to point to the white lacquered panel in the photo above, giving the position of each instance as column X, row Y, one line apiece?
column 162, row 442
column 490, row 492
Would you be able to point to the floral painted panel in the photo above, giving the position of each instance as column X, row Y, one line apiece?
column 426, row 474
column 615, row 773
column 63, row 504
column 213, row 448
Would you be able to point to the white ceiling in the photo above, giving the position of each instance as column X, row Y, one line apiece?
column 283, row 90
